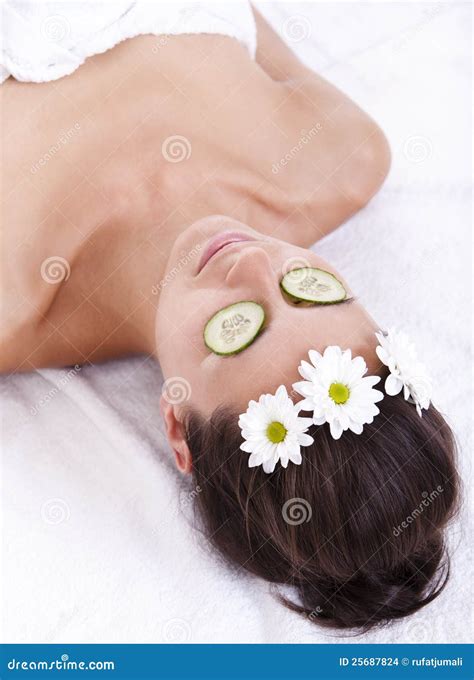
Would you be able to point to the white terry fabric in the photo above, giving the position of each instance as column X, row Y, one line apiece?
column 99, row 544
column 44, row 41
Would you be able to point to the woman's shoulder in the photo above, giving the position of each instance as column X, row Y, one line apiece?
column 334, row 156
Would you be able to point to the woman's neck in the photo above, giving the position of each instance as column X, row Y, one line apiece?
column 119, row 269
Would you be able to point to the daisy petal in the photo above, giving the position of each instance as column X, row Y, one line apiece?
column 336, row 429
column 382, row 355
column 356, row 428
column 254, row 460
column 305, row 439
column 295, row 457
column 314, row 357
column 305, row 405
column 393, row 385
column 269, row 466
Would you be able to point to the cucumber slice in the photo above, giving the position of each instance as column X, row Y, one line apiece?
column 234, row 328
column 309, row 284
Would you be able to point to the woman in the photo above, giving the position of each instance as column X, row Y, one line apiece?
column 168, row 179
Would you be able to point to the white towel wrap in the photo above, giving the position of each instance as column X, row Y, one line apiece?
column 43, row 41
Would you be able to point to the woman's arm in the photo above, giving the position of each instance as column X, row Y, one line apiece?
column 273, row 54
column 350, row 158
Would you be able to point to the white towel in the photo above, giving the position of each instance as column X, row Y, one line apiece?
column 99, row 540
column 43, row 40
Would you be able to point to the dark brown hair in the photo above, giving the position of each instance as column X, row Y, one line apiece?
column 356, row 529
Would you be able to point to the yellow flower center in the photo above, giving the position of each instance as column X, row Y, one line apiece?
column 276, row 432
column 339, row 393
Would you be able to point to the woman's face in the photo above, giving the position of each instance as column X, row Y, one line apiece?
column 245, row 270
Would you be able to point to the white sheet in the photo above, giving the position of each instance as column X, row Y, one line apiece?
column 98, row 545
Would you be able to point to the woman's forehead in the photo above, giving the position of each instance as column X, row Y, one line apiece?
column 274, row 356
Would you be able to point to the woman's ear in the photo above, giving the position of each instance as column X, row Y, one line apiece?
column 176, row 436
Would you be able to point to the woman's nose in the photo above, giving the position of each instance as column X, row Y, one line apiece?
column 253, row 267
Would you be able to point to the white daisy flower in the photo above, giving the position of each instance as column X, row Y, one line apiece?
column 406, row 371
column 273, row 431
column 337, row 392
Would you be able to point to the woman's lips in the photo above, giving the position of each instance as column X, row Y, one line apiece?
column 218, row 242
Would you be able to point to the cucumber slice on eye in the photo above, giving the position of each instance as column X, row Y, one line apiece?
column 310, row 284
column 234, row 328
